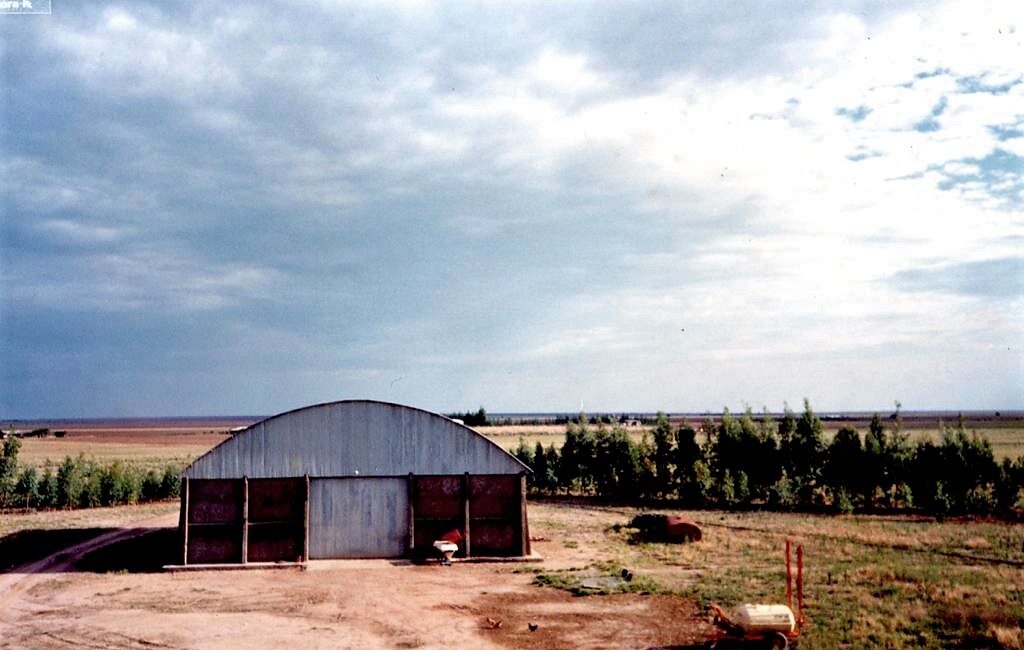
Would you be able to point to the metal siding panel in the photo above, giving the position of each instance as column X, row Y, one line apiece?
column 375, row 438
column 358, row 517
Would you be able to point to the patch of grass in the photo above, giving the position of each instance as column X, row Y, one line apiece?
column 610, row 578
column 870, row 581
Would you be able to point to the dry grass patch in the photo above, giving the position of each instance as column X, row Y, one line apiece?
column 893, row 582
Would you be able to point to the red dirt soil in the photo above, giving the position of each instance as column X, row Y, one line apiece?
column 335, row 604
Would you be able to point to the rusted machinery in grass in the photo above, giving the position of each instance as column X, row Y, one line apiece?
column 764, row 625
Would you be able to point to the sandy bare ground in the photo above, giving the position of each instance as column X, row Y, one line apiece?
column 368, row 604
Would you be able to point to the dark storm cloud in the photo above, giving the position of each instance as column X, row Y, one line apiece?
column 253, row 206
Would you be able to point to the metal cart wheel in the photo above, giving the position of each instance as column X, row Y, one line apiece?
column 778, row 641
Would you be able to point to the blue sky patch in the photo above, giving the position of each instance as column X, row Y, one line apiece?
column 855, row 114
column 997, row 278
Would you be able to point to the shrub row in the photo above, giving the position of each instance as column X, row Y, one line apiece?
column 779, row 463
column 80, row 483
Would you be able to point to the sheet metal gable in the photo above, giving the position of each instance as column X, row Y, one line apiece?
column 354, row 438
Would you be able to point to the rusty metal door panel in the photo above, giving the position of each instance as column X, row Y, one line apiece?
column 494, row 496
column 277, row 499
column 495, row 538
column 358, row 517
column 438, row 497
column 495, row 509
column 275, row 542
column 214, row 544
column 277, row 510
column 215, row 501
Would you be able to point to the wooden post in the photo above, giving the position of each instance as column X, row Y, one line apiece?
column 305, row 525
column 410, row 540
column 465, row 514
column 245, row 519
column 524, row 526
column 185, row 509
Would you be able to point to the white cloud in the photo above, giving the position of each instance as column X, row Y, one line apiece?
column 566, row 74
column 136, row 57
column 707, row 221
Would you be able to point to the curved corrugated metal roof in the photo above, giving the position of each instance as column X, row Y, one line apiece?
column 354, row 438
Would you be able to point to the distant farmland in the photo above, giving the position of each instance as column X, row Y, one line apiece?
column 153, row 443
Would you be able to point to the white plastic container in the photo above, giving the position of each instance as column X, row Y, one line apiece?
column 764, row 618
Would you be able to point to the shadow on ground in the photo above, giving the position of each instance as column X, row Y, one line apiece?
column 146, row 553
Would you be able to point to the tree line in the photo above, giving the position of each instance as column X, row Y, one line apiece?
column 79, row 482
column 786, row 464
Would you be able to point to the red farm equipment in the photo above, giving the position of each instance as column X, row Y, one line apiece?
column 764, row 626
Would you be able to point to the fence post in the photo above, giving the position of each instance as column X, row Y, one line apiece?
column 465, row 513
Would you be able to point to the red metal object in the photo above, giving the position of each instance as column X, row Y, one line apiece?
column 799, row 586
column 731, row 633
column 681, row 529
column 453, row 535
column 789, row 576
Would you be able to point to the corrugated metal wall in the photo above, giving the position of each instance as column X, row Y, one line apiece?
column 358, row 517
column 354, row 438
column 352, row 479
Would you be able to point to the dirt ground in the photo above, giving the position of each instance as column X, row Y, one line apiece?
column 112, row 594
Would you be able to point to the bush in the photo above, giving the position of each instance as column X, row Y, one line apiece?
column 8, row 469
column 842, row 503
column 150, row 489
column 48, row 488
column 26, row 490
column 783, row 493
column 70, row 482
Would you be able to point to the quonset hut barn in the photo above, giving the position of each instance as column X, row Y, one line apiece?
column 352, row 479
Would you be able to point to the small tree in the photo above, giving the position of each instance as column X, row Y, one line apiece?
column 783, row 494
column 804, row 453
column 726, row 490
column 576, row 466
column 844, row 469
column 70, row 482
column 875, row 461
column 150, row 490
column 663, row 454
column 26, row 490
column 1009, row 484
column 170, row 483
column 48, row 488
column 787, row 429
column 687, row 454
column 9, row 469
column 525, row 456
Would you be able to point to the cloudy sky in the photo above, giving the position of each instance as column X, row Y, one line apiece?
column 241, row 208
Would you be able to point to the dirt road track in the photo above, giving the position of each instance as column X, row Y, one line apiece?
column 17, row 582
column 365, row 604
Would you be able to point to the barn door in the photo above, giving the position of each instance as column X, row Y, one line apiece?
column 275, row 520
column 358, row 517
